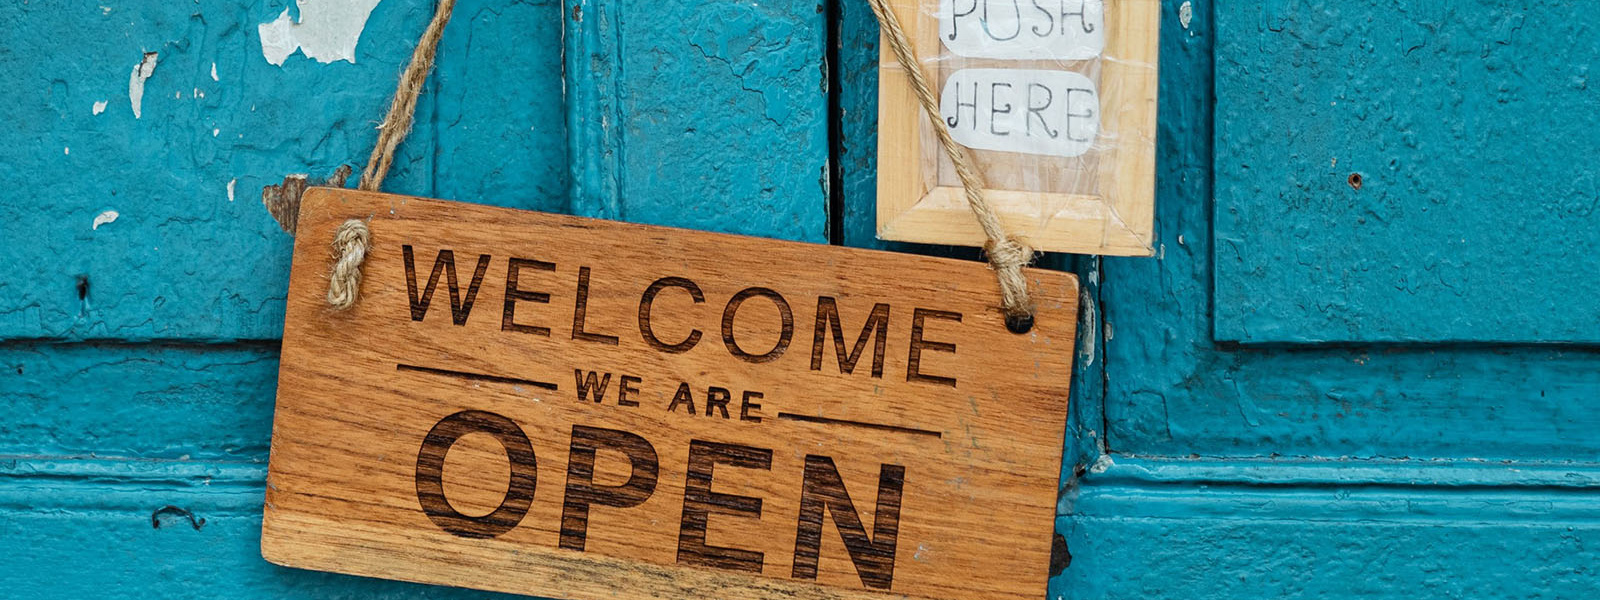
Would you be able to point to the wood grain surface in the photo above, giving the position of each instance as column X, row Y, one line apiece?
column 584, row 409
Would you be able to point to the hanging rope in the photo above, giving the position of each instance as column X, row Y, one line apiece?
column 351, row 241
column 1007, row 253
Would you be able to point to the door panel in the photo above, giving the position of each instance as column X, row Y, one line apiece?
column 1409, row 171
column 1371, row 469
column 1172, row 390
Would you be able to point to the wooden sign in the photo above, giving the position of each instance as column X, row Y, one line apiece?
column 1056, row 99
column 573, row 408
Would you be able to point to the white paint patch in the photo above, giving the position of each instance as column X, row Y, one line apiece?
column 1101, row 464
column 216, row 132
column 1088, row 320
column 104, row 218
column 141, row 72
column 231, row 183
column 1043, row 30
column 1185, row 14
column 1056, row 113
column 214, row 72
column 100, row 107
column 66, row 150
column 328, row 31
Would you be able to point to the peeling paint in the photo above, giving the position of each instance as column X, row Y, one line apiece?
column 327, row 31
column 231, row 183
column 141, row 72
column 1101, row 464
column 214, row 72
column 109, row 216
column 1089, row 320
column 1185, row 14
column 100, row 107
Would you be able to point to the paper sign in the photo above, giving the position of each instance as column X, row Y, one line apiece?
column 573, row 408
column 1022, row 110
column 1023, row 29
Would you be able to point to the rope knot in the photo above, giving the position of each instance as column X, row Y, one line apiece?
column 1007, row 256
column 350, row 245
column 1009, row 252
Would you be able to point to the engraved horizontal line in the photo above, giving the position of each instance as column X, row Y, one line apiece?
column 475, row 376
column 878, row 426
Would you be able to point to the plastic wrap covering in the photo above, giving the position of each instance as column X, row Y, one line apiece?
column 1055, row 100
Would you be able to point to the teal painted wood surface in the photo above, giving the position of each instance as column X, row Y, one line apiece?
column 136, row 401
column 1172, row 390
column 1462, row 122
column 1196, row 469
column 182, row 260
column 188, row 259
column 1316, row 470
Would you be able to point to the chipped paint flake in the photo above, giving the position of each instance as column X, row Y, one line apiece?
column 231, row 183
column 1185, row 14
column 214, row 72
column 328, row 31
column 104, row 218
column 1101, row 464
column 141, row 72
column 100, row 107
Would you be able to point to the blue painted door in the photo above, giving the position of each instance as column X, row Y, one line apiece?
column 1361, row 364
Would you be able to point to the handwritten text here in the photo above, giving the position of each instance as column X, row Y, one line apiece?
column 1023, row 29
column 1056, row 113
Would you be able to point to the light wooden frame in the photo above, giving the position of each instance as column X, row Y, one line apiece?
column 914, row 207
